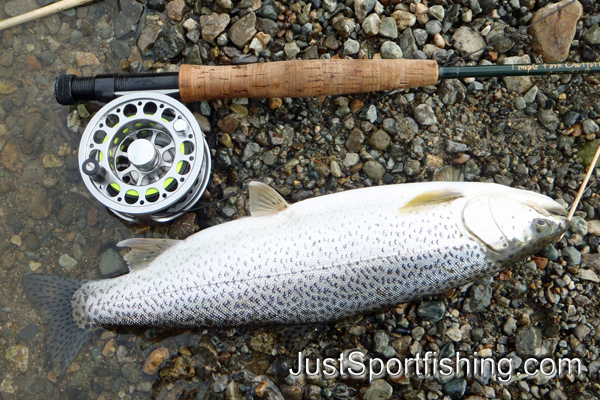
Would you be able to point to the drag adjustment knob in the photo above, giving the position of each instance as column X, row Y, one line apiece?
column 92, row 168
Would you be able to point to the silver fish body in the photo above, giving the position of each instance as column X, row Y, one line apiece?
column 318, row 260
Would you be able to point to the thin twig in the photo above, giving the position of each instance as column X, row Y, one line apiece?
column 584, row 184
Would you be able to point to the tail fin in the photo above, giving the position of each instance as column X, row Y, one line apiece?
column 52, row 296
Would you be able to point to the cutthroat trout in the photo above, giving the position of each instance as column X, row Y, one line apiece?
column 318, row 260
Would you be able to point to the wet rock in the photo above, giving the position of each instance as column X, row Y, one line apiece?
column 293, row 392
column 424, row 115
column 432, row 310
column 46, row 58
column 390, row 51
column 12, row 158
column 268, row 11
column 590, row 127
column 466, row 41
column 355, row 141
column 578, row 225
column 581, row 331
column 451, row 91
column 549, row 119
column 412, row 167
column 322, row 169
column 344, row 26
column 588, row 275
column 351, row 47
column 528, row 341
column 291, row 50
column 67, row 262
column 18, row 7
column 388, row 28
column 111, row 263
column 510, row 326
column 31, row 242
column 110, row 348
column 51, row 161
column 371, row 24
column 158, row 5
column 553, row 36
column 351, row 160
column 455, row 389
column 481, row 298
column 18, row 357
column 455, row 147
column 380, row 140
column 498, row 38
column 212, row 25
column 171, row 44
column 251, row 149
column 262, row 342
column 381, row 340
column 404, row 19
column 592, row 35
column 84, row 58
column 374, row 169
column 594, row 227
column 183, row 226
column 229, row 124
column 37, row 205
column 313, row 392
column 379, row 390
column 571, row 255
column 154, row 360
column 148, row 37
column 242, row 31
column 176, row 9
column 29, row 333
column 362, row 8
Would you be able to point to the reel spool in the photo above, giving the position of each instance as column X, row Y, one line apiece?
column 144, row 156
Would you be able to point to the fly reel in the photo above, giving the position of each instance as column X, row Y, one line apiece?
column 144, row 156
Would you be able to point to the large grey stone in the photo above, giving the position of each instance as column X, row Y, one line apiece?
column 112, row 264
column 242, row 31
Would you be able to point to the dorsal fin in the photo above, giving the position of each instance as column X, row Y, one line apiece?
column 432, row 197
column 264, row 200
column 144, row 251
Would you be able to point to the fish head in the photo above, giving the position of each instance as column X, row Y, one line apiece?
column 515, row 223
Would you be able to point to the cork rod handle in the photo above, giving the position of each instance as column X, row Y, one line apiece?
column 303, row 78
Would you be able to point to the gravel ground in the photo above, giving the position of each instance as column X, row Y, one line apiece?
column 534, row 133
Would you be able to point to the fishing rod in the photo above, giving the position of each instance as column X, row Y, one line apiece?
column 302, row 78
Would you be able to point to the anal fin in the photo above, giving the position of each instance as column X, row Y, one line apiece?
column 144, row 250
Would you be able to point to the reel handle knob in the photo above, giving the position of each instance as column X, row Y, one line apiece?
column 92, row 168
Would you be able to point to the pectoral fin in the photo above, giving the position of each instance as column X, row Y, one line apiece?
column 265, row 200
column 144, row 251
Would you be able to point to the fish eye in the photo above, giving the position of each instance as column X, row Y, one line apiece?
column 541, row 225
